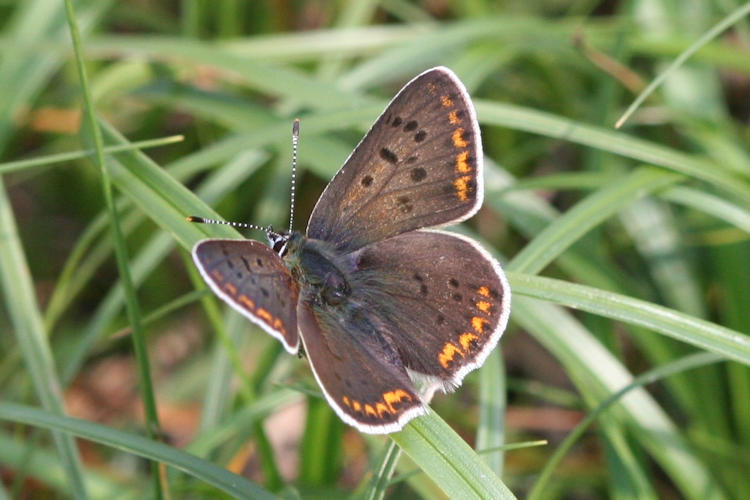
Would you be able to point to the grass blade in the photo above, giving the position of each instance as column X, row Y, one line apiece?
column 519, row 118
column 133, row 308
column 20, row 300
column 13, row 166
column 585, row 215
column 656, row 374
column 492, row 407
column 448, row 460
column 597, row 374
column 732, row 18
column 695, row 331
column 237, row 486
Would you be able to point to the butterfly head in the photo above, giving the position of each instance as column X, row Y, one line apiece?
column 284, row 241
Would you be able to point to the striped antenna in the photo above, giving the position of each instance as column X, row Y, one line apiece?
column 202, row 220
column 273, row 236
column 295, row 141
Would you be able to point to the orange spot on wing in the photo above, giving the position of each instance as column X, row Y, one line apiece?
column 453, row 118
column 369, row 410
column 245, row 301
column 462, row 167
column 230, row 288
column 378, row 408
column 396, row 396
column 483, row 291
column 264, row 315
column 279, row 326
column 466, row 339
column 446, row 101
column 458, row 138
column 478, row 324
column 462, row 187
column 449, row 352
column 484, row 306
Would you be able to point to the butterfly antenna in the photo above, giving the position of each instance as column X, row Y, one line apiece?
column 268, row 229
column 244, row 225
column 295, row 141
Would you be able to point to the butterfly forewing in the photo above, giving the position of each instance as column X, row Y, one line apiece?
column 419, row 166
column 252, row 278
column 441, row 300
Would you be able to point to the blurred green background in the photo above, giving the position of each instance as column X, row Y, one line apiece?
column 640, row 234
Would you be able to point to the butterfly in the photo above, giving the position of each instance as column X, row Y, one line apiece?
column 386, row 308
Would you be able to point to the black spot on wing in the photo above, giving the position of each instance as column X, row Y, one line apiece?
column 388, row 155
column 418, row 174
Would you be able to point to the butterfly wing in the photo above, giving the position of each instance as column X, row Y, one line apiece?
column 420, row 165
column 359, row 372
column 441, row 300
column 252, row 278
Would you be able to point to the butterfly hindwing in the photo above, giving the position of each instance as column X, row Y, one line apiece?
column 441, row 300
column 253, row 279
column 419, row 166
column 359, row 372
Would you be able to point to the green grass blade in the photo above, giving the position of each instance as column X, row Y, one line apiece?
column 732, row 18
column 28, row 326
column 492, row 407
column 655, row 234
column 448, row 460
column 133, row 307
column 569, row 227
column 383, row 472
column 719, row 207
column 654, row 375
column 22, row 78
column 235, row 485
column 681, row 326
column 355, row 13
column 236, row 423
column 13, row 166
column 597, row 374
column 320, row 455
column 22, row 75
column 581, row 354
column 519, row 118
column 44, row 466
column 724, row 54
column 218, row 396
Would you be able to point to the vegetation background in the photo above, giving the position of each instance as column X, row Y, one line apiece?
column 627, row 250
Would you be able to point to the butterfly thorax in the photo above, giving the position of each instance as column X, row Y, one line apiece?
column 317, row 268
